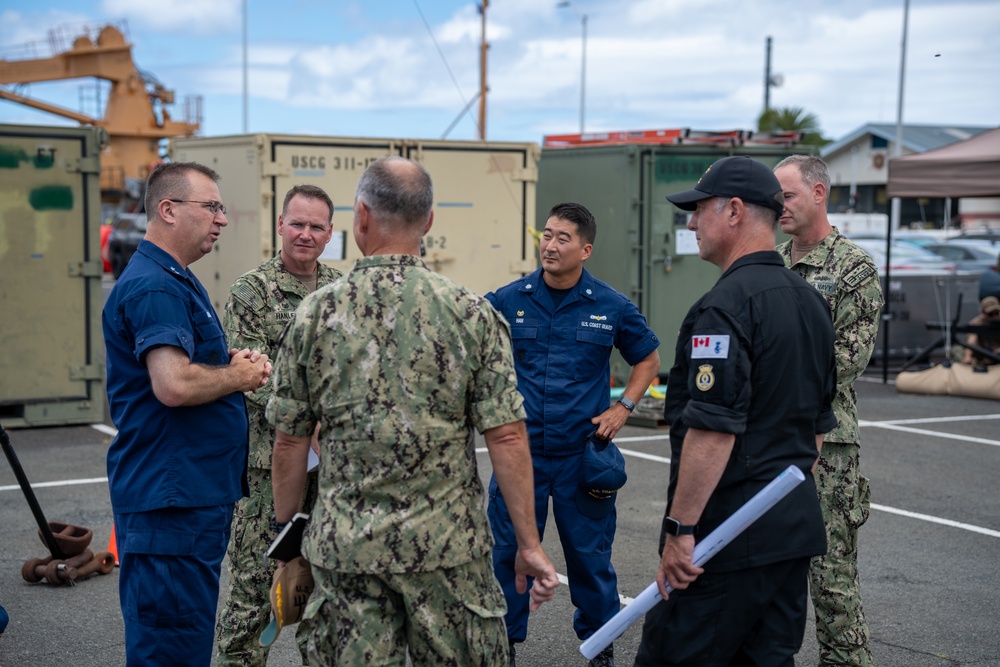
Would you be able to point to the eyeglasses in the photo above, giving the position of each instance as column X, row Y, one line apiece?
column 213, row 206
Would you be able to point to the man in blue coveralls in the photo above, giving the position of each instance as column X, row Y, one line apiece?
column 178, row 464
column 564, row 324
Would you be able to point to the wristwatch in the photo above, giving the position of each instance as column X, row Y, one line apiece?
column 627, row 403
column 674, row 527
column 275, row 526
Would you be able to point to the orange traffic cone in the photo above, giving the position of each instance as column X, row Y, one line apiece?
column 113, row 545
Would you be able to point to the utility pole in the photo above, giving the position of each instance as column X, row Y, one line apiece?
column 245, row 76
column 895, row 206
column 483, row 88
column 770, row 80
column 583, row 71
column 583, row 59
column 767, row 76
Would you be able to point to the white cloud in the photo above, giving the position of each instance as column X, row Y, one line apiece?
column 650, row 63
column 203, row 17
column 24, row 34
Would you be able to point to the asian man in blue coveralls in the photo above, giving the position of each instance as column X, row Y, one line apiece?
column 564, row 325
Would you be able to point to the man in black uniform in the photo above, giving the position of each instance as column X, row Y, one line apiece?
column 749, row 394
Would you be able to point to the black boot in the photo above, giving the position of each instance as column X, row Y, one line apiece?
column 510, row 645
column 605, row 658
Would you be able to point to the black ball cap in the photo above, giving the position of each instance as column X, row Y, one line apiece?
column 737, row 176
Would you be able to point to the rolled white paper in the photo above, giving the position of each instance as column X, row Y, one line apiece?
column 727, row 531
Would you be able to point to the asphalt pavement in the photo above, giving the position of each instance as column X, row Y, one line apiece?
column 929, row 553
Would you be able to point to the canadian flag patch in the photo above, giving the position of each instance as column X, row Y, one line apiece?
column 710, row 347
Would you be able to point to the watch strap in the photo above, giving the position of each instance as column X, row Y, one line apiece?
column 674, row 527
column 627, row 403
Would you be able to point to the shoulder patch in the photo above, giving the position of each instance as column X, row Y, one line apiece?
column 710, row 347
column 247, row 295
column 859, row 275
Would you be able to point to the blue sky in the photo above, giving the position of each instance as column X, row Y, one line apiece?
column 372, row 68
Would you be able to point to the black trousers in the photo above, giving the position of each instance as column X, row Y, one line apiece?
column 749, row 617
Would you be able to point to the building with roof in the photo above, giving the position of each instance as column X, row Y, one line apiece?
column 859, row 169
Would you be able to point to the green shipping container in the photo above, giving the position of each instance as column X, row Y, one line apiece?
column 643, row 247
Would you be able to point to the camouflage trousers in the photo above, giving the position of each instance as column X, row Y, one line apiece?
column 442, row 617
column 247, row 609
column 841, row 628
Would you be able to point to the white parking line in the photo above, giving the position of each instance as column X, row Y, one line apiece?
column 935, row 420
column 934, row 519
column 890, row 426
column 65, row 482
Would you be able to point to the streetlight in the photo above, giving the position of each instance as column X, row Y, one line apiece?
column 770, row 80
column 583, row 59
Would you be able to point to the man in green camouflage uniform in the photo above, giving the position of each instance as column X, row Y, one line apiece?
column 399, row 364
column 847, row 278
column 261, row 303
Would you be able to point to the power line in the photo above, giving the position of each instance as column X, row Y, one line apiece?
column 430, row 31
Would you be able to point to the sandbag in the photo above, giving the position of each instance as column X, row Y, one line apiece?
column 953, row 379
column 934, row 380
column 977, row 382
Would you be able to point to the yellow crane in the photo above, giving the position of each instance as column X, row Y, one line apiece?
column 135, row 116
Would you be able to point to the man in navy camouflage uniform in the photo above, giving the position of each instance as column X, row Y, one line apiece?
column 261, row 304
column 399, row 365
column 847, row 278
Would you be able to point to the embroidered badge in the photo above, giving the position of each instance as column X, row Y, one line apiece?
column 520, row 313
column 859, row 275
column 705, row 379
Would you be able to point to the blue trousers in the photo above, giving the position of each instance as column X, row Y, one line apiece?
column 586, row 543
column 168, row 583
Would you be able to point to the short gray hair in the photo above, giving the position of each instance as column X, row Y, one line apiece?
column 812, row 169
column 764, row 214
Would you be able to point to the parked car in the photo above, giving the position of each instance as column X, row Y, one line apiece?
column 967, row 255
column 905, row 256
column 127, row 229
column 991, row 236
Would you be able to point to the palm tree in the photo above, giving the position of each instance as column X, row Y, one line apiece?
column 793, row 119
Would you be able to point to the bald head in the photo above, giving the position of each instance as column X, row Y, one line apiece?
column 398, row 192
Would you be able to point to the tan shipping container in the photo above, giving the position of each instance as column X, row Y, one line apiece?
column 51, row 346
column 484, row 201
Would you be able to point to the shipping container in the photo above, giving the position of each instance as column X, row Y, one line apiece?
column 484, row 201
column 643, row 247
column 51, row 348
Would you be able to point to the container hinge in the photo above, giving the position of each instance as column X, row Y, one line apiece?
column 84, row 165
column 268, row 169
column 86, row 269
column 89, row 372
column 526, row 174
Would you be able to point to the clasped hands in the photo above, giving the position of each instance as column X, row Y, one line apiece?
column 255, row 365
